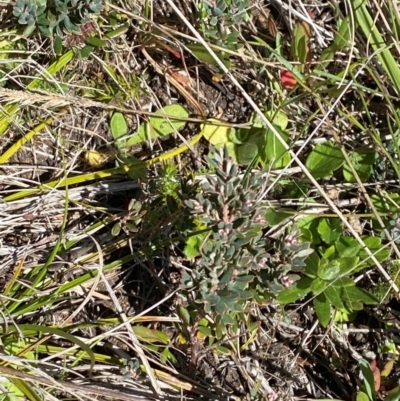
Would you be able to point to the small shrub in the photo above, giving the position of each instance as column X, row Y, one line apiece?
column 236, row 261
column 57, row 15
column 218, row 16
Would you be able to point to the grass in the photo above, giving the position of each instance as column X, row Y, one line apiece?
column 119, row 279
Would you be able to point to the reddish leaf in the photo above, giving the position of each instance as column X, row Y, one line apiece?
column 307, row 29
column 377, row 374
column 303, row 362
column 288, row 80
column 175, row 52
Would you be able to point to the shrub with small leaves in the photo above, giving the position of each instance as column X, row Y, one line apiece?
column 236, row 261
column 28, row 11
column 229, row 11
column 218, row 16
column 57, row 16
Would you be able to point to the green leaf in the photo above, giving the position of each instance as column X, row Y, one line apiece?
column 347, row 246
column 275, row 217
column 359, row 295
column 167, row 355
column 330, row 229
column 86, row 51
column 164, row 125
column 279, row 119
column 374, row 244
column 341, row 39
column 328, row 253
column 328, row 270
column 255, row 389
column 393, row 395
column 14, row 345
column 192, row 247
column 116, row 229
column 25, row 328
column 119, row 129
column 318, row 286
column 372, row 31
column 322, row 309
column 312, row 263
column 184, row 315
column 362, row 162
column 227, row 319
column 309, row 228
column 117, row 32
column 161, row 124
column 347, row 265
column 342, row 282
column 324, row 160
column 344, row 315
column 239, row 136
column 204, row 56
column 58, row 45
column 205, row 330
column 387, row 369
column 19, row 387
column 362, row 397
column 385, row 203
column 216, row 134
column 354, row 305
column 28, row 31
column 297, row 291
column 299, row 43
column 275, row 152
column 333, row 296
column 368, row 379
column 95, row 41
column 328, row 55
column 150, row 336
column 223, row 350
column 250, row 150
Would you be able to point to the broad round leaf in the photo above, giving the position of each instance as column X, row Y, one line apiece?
column 159, row 125
column 119, row 128
column 216, row 134
column 247, row 152
column 164, row 125
column 277, row 118
column 330, row 230
column 362, row 162
column 324, row 160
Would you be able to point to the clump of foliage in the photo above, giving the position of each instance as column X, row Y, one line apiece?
column 236, row 262
column 218, row 16
column 57, row 16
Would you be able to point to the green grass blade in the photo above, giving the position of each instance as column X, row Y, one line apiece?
column 26, row 389
column 377, row 42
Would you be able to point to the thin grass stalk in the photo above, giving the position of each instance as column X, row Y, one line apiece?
column 377, row 42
